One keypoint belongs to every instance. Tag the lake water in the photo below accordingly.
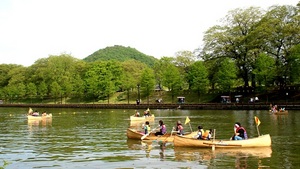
(93, 138)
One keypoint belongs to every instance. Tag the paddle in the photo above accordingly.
(144, 136)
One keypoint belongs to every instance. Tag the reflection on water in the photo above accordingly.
(147, 146)
(206, 153)
(280, 118)
(242, 158)
(42, 122)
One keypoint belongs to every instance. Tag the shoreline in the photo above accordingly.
(203, 106)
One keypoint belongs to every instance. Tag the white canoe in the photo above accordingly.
(142, 118)
(30, 117)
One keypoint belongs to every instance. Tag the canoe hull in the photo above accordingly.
(168, 137)
(261, 141)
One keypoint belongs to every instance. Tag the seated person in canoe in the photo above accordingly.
(35, 113)
(147, 112)
(239, 132)
(201, 135)
(137, 114)
(179, 128)
(162, 128)
(147, 127)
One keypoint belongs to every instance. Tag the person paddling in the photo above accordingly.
(162, 128)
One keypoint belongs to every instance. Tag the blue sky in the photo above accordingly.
(33, 29)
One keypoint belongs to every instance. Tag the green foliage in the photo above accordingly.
(264, 69)
(42, 90)
(147, 82)
(79, 87)
(184, 59)
(212, 67)
(280, 33)
(31, 90)
(160, 67)
(4, 76)
(17, 75)
(21, 92)
(197, 77)
(294, 65)
(226, 75)
(55, 90)
(121, 54)
(233, 40)
(132, 72)
(172, 79)
(103, 78)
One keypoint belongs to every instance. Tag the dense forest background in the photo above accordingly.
(251, 53)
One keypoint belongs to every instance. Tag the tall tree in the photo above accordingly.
(183, 60)
(293, 65)
(160, 68)
(212, 67)
(42, 90)
(5, 76)
(264, 69)
(31, 91)
(56, 68)
(55, 90)
(197, 76)
(281, 31)
(172, 79)
(147, 82)
(226, 75)
(79, 87)
(103, 78)
(132, 75)
(21, 92)
(233, 40)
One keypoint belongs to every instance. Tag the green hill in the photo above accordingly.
(120, 53)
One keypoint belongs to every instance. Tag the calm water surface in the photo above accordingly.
(93, 138)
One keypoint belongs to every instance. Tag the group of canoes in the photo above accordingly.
(189, 140)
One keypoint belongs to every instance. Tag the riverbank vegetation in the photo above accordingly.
(252, 53)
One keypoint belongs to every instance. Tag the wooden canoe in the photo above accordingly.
(261, 141)
(30, 117)
(142, 118)
(134, 134)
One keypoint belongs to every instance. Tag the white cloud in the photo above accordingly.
(33, 29)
